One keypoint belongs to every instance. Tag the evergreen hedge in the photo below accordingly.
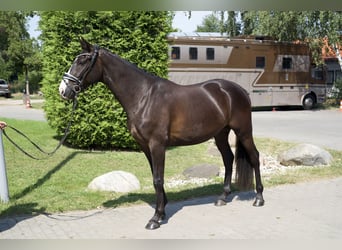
(139, 37)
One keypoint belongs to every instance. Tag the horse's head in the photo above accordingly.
(82, 73)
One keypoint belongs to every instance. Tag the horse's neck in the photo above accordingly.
(126, 82)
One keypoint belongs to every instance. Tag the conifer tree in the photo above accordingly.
(137, 36)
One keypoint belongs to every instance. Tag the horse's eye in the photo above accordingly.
(83, 59)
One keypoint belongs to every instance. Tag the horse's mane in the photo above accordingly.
(131, 65)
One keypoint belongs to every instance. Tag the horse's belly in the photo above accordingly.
(194, 134)
(182, 141)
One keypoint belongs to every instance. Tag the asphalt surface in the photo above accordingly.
(319, 127)
(16, 109)
(302, 211)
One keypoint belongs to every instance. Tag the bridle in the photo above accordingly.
(78, 86)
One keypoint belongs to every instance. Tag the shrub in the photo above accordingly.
(139, 37)
(337, 90)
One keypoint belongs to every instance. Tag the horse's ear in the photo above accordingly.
(85, 45)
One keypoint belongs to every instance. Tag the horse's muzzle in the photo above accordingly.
(68, 93)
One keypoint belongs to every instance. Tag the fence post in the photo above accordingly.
(3, 176)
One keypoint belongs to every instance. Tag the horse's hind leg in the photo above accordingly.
(227, 155)
(253, 158)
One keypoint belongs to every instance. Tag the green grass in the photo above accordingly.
(59, 183)
(274, 147)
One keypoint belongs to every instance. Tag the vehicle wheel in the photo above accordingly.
(8, 95)
(309, 102)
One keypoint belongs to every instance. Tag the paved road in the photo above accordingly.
(15, 109)
(301, 211)
(321, 127)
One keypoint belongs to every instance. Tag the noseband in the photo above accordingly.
(77, 87)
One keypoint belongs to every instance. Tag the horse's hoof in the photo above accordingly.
(152, 224)
(220, 202)
(259, 202)
(162, 217)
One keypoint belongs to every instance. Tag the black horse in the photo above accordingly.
(162, 113)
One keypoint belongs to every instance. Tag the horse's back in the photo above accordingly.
(239, 103)
(238, 95)
(199, 111)
(229, 86)
(230, 95)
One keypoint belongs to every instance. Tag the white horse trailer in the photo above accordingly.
(273, 73)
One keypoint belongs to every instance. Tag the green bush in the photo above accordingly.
(139, 37)
(334, 94)
(337, 90)
(35, 78)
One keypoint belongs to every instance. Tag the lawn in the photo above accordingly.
(59, 183)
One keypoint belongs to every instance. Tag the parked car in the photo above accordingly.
(4, 89)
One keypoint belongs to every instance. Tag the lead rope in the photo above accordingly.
(49, 154)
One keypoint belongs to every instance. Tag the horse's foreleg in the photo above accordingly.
(227, 155)
(157, 162)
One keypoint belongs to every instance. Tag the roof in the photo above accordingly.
(218, 37)
(198, 34)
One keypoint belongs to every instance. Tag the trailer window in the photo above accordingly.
(193, 53)
(317, 73)
(287, 62)
(260, 62)
(175, 53)
(210, 54)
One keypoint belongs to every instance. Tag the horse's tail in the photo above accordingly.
(244, 171)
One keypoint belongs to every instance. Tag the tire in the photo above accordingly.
(309, 102)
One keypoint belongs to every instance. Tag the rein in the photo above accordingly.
(48, 154)
(76, 88)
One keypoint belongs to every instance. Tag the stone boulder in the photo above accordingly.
(202, 171)
(305, 154)
(115, 181)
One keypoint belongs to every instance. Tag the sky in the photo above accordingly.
(33, 26)
(180, 21)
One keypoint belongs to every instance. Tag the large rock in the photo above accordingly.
(305, 154)
(202, 171)
(115, 181)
